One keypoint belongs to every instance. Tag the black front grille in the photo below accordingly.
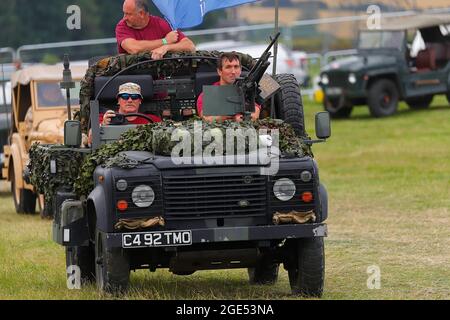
(214, 196)
(338, 79)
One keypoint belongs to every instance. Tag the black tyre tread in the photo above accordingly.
(114, 269)
(184, 273)
(307, 277)
(27, 199)
(341, 113)
(289, 103)
(375, 91)
(264, 273)
(84, 258)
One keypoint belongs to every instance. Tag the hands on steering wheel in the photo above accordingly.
(112, 118)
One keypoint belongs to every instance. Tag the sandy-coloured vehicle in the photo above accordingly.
(407, 59)
(39, 109)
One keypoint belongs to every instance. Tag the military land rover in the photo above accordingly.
(144, 211)
(388, 68)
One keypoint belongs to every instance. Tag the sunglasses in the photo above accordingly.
(126, 96)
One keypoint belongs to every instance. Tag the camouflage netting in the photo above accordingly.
(75, 169)
(157, 68)
(156, 138)
(67, 163)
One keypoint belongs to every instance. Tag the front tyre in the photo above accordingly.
(24, 199)
(335, 110)
(265, 272)
(112, 269)
(383, 98)
(307, 272)
(84, 258)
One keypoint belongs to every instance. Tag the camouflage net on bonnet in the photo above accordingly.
(75, 167)
(157, 68)
(157, 138)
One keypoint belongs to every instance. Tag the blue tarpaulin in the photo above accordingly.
(190, 13)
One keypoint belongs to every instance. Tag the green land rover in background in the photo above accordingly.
(389, 68)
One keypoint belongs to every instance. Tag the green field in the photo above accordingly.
(389, 196)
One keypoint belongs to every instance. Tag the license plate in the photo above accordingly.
(157, 239)
(333, 91)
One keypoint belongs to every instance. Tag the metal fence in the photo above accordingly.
(7, 58)
(7, 55)
(291, 35)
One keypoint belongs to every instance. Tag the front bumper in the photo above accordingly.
(344, 91)
(242, 234)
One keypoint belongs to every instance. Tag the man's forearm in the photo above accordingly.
(183, 45)
(133, 46)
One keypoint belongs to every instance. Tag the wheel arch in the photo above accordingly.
(91, 213)
(323, 194)
(97, 211)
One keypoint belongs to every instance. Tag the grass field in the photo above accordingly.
(389, 196)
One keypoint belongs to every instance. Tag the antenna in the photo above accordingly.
(3, 81)
(67, 83)
(275, 56)
(277, 30)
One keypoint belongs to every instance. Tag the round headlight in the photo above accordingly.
(284, 189)
(121, 185)
(325, 80)
(306, 176)
(352, 78)
(143, 196)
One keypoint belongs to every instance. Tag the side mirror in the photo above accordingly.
(72, 133)
(323, 125)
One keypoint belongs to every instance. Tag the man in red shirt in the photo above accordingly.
(228, 68)
(129, 99)
(139, 31)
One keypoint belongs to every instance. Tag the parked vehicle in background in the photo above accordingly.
(5, 115)
(301, 58)
(5, 105)
(293, 62)
(388, 68)
(39, 109)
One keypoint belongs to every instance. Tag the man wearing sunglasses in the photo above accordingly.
(129, 98)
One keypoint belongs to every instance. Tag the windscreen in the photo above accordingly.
(49, 94)
(381, 39)
(5, 93)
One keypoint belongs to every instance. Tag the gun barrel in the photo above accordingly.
(265, 55)
(249, 88)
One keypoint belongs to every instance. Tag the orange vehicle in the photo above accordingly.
(39, 109)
